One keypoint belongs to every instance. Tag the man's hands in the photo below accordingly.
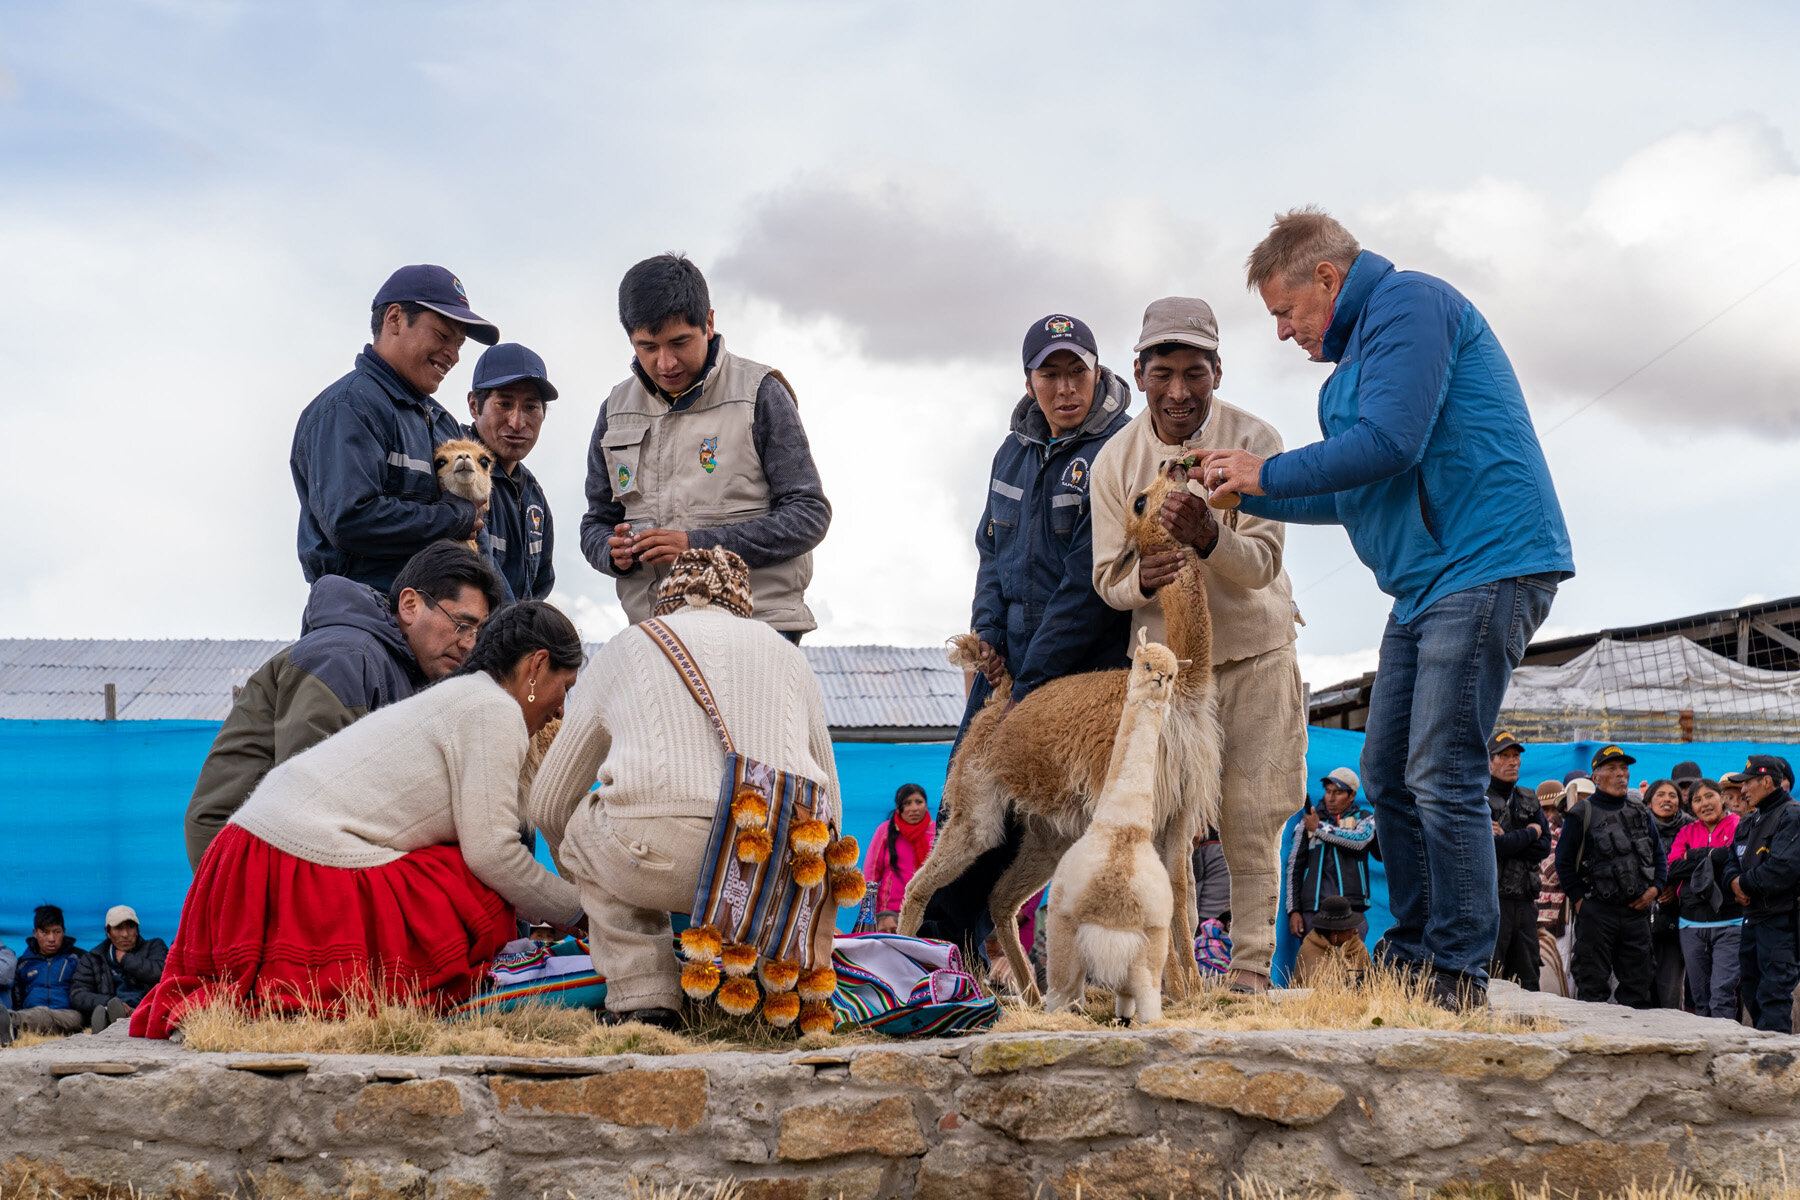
(651, 546)
(1311, 821)
(1497, 830)
(1537, 831)
(1189, 521)
(991, 665)
(1737, 889)
(1644, 901)
(1296, 925)
(1158, 570)
(1223, 472)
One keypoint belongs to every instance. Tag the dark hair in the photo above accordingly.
(46, 915)
(411, 308)
(660, 288)
(442, 569)
(521, 629)
(905, 792)
(1150, 352)
(1711, 785)
(480, 396)
(1655, 785)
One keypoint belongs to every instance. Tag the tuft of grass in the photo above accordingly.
(27, 1038)
(1382, 1000)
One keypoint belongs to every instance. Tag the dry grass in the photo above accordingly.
(26, 1038)
(1384, 1000)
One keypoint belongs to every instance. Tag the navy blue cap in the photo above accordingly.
(440, 291)
(1059, 332)
(510, 362)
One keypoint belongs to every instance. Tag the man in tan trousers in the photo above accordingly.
(1261, 709)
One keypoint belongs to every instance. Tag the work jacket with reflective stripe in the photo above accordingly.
(520, 537)
(361, 462)
(1034, 590)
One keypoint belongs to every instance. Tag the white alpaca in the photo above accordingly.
(1111, 902)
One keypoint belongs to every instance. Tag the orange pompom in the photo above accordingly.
(810, 837)
(848, 887)
(738, 959)
(700, 943)
(779, 976)
(754, 846)
(780, 1009)
(739, 997)
(808, 870)
(699, 979)
(817, 984)
(749, 808)
(816, 1016)
(843, 853)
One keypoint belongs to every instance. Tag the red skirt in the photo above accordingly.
(278, 933)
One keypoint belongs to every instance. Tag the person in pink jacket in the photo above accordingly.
(900, 844)
(1711, 918)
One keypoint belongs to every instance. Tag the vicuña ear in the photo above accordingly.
(1143, 637)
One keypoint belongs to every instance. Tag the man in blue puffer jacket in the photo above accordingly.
(40, 991)
(1036, 611)
(1431, 464)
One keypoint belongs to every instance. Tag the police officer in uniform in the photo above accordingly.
(1766, 882)
(1611, 865)
(1521, 842)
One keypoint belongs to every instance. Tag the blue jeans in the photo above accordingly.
(1436, 697)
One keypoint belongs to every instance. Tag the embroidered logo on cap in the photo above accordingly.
(709, 450)
(1060, 327)
(457, 284)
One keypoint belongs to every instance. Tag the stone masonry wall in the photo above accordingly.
(1614, 1096)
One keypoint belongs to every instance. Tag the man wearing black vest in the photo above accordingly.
(1521, 842)
(1611, 865)
(1767, 883)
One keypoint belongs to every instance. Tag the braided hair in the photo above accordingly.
(521, 629)
(893, 823)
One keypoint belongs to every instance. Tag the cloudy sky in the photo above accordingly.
(198, 200)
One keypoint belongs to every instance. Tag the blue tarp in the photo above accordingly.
(92, 810)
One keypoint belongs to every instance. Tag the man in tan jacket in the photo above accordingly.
(1261, 710)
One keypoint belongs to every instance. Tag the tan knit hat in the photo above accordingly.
(702, 577)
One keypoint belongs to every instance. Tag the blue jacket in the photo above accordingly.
(361, 462)
(44, 982)
(1331, 861)
(520, 535)
(1429, 460)
(1034, 590)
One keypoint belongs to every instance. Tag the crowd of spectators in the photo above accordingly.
(55, 987)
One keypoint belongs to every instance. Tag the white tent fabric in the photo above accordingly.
(1668, 675)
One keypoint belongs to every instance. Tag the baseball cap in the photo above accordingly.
(1610, 754)
(1689, 771)
(1582, 788)
(440, 291)
(1759, 765)
(118, 914)
(1059, 331)
(1503, 740)
(1183, 319)
(510, 362)
(1344, 777)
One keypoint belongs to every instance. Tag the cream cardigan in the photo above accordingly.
(439, 767)
(631, 724)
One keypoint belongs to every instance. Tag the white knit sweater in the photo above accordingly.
(631, 724)
(439, 767)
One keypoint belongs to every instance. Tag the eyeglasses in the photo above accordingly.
(465, 630)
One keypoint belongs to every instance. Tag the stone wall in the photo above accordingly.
(1613, 1096)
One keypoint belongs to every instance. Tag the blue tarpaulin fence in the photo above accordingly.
(91, 811)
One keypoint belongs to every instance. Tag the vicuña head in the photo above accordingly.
(1142, 528)
(1153, 671)
(462, 469)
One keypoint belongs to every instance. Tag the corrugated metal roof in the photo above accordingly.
(865, 687)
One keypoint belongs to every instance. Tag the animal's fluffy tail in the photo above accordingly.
(965, 652)
(1110, 954)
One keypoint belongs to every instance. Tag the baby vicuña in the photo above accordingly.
(463, 468)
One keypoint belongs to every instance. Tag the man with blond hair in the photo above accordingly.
(1261, 710)
(1431, 464)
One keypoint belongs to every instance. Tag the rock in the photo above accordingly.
(91, 1068)
(853, 1183)
(270, 1066)
(1299, 1164)
(1413, 1115)
(962, 1169)
(1600, 1103)
(1041, 1110)
(816, 1131)
(399, 1111)
(1285, 1097)
(925, 1072)
(1019, 1054)
(1473, 1056)
(1147, 1168)
(1758, 1083)
(1630, 1043)
(1585, 1168)
(669, 1099)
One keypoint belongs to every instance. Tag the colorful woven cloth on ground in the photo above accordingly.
(560, 974)
(1212, 948)
(907, 987)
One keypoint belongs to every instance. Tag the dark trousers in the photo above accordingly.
(1613, 941)
(1769, 956)
(1671, 971)
(1516, 955)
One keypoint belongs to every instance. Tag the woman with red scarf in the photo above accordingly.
(900, 844)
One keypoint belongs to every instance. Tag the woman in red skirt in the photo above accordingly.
(387, 859)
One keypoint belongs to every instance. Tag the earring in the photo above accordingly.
(532, 699)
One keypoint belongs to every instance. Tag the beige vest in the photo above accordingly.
(697, 469)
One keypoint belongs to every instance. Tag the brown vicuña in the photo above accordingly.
(1045, 762)
(464, 469)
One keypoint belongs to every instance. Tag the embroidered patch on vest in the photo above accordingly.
(709, 452)
(1075, 474)
(624, 477)
(535, 514)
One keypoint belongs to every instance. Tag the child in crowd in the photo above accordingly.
(900, 844)
(1700, 863)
